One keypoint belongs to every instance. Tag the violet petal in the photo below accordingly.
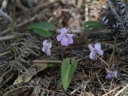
(49, 45)
(92, 55)
(44, 49)
(64, 41)
(91, 47)
(70, 38)
(63, 31)
(97, 46)
(59, 37)
(100, 52)
(45, 42)
(48, 52)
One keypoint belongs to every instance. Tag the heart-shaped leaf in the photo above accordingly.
(42, 28)
(67, 71)
(92, 24)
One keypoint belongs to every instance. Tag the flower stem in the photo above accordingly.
(114, 49)
(70, 54)
(13, 21)
(103, 61)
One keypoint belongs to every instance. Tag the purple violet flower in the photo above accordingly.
(95, 50)
(111, 74)
(64, 37)
(46, 47)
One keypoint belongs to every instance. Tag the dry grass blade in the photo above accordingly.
(106, 94)
(18, 90)
(6, 15)
(24, 48)
(124, 90)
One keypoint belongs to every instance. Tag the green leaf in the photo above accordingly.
(13, 49)
(67, 71)
(92, 24)
(85, 38)
(42, 28)
(41, 32)
(51, 65)
(17, 36)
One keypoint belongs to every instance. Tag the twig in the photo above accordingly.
(74, 31)
(113, 52)
(2, 65)
(106, 94)
(82, 31)
(119, 92)
(20, 5)
(75, 90)
(103, 61)
(26, 21)
(6, 80)
(35, 9)
(7, 38)
(100, 83)
(21, 53)
(86, 12)
(6, 16)
(1, 54)
(79, 4)
(11, 37)
(17, 89)
(111, 85)
(47, 61)
(48, 90)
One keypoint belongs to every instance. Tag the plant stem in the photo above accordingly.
(70, 54)
(114, 48)
(13, 21)
(103, 61)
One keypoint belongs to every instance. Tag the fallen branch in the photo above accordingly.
(47, 61)
(96, 31)
(4, 53)
(5, 38)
